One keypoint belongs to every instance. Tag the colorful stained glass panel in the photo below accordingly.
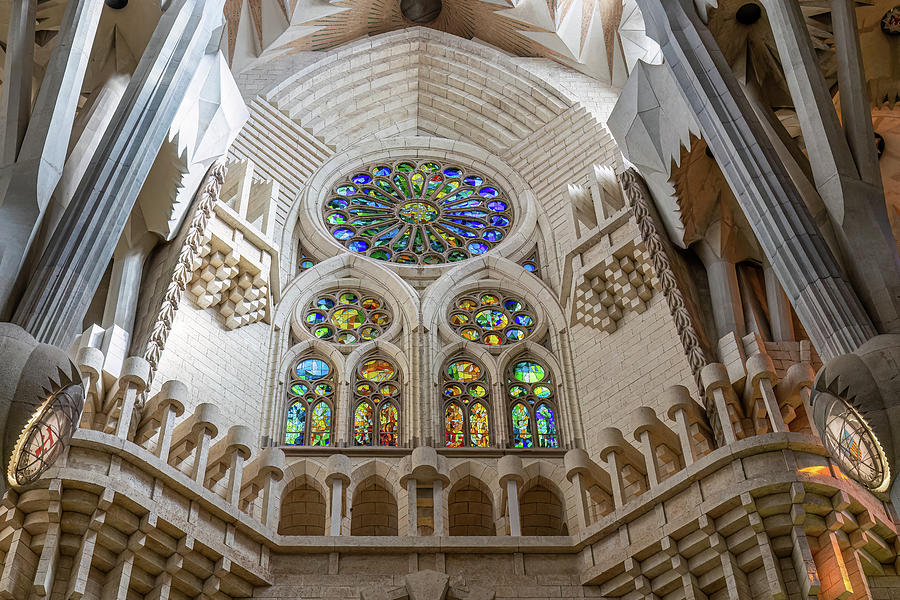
(464, 370)
(363, 423)
(388, 426)
(521, 427)
(295, 425)
(478, 426)
(546, 427)
(312, 369)
(528, 371)
(378, 370)
(320, 421)
(453, 426)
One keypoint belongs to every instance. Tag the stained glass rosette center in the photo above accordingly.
(347, 317)
(491, 318)
(417, 212)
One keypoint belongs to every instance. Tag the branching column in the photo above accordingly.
(828, 307)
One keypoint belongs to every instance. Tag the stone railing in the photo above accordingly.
(747, 501)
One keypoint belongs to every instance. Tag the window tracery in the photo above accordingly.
(347, 317)
(531, 394)
(377, 395)
(310, 403)
(417, 212)
(466, 396)
(491, 318)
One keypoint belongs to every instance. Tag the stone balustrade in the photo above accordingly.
(653, 507)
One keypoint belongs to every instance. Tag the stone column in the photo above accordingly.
(714, 378)
(35, 149)
(678, 401)
(780, 322)
(338, 478)
(438, 508)
(412, 507)
(760, 378)
(716, 253)
(80, 248)
(135, 374)
(842, 153)
(511, 476)
(828, 307)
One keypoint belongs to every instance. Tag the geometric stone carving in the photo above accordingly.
(237, 286)
(622, 282)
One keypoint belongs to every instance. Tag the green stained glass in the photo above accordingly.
(383, 216)
(320, 425)
(521, 427)
(298, 389)
(324, 389)
(295, 425)
(464, 370)
(518, 391)
(527, 371)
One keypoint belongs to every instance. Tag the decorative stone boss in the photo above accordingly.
(41, 398)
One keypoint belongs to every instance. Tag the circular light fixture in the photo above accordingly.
(852, 443)
(117, 4)
(420, 11)
(46, 435)
(748, 14)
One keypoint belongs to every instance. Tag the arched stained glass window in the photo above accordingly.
(417, 212)
(465, 390)
(347, 317)
(531, 394)
(491, 318)
(310, 398)
(377, 395)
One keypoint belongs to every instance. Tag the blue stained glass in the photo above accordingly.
(459, 230)
(460, 218)
(529, 267)
(325, 303)
(312, 369)
(527, 371)
(295, 424)
(314, 318)
(523, 320)
(546, 427)
(521, 427)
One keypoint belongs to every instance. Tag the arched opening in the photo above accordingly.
(542, 511)
(374, 510)
(470, 508)
(302, 511)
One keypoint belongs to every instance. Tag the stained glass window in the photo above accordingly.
(304, 262)
(310, 393)
(852, 444)
(347, 317)
(465, 390)
(491, 318)
(531, 393)
(417, 212)
(530, 262)
(376, 391)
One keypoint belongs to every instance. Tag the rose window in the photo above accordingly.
(417, 212)
(491, 318)
(347, 317)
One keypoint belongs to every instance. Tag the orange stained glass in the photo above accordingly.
(388, 425)
(453, 426)
(378, 370)
(478, 426)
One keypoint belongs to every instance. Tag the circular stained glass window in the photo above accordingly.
(417, 212)
(491, 318)
(347, 317)
(853, 445)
